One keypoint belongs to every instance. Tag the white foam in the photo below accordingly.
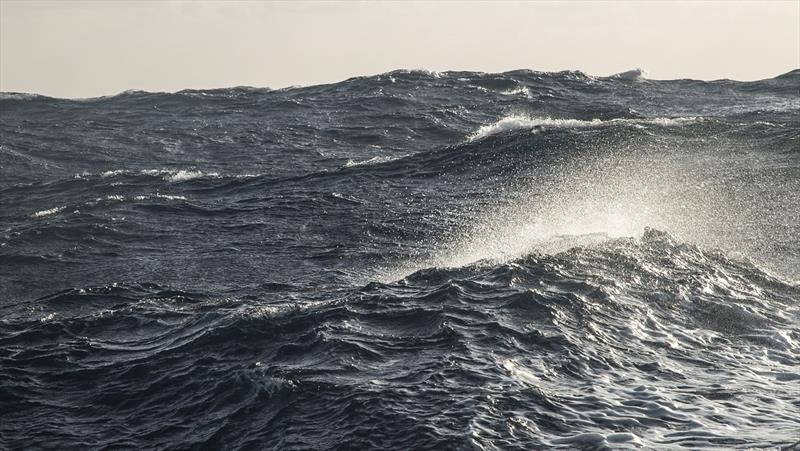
(112, 173)
(48, 318)
(160, 196)
(522, 90)
(52, 211)
(479, 88)
(183, 175)
(168, 175)
(516, 122)
(665, 121)
(371, 161)
(154, 172)
(118, 198)
(535, 124)
(432, 73)
(116, 172)
(632, 75)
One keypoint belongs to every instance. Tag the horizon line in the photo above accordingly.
(640, 74)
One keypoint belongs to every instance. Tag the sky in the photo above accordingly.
(92, 48)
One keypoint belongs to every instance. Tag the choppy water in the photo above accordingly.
(412, 260)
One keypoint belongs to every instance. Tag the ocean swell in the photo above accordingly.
(412, 260)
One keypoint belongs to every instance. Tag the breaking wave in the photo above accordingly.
(517, 122)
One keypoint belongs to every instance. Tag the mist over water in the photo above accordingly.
(410, 260)
(702, 190)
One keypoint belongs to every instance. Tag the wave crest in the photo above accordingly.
(517, 122)
(631, 75)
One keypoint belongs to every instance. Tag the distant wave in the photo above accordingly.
(20, 96)
(393, 76)
(631, 75)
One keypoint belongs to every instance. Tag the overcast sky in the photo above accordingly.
(82, 49)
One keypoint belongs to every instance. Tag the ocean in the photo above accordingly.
(411, 260)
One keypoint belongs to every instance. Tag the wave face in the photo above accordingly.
(411, 260)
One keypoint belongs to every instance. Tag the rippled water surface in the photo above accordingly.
(411, 260)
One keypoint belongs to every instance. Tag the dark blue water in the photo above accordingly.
(411, 260)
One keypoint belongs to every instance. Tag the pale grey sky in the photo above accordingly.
(90, 48)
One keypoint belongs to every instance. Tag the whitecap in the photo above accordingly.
(160, 196)
(631, 75)
(48, 318)
(515, 122)
(112, 173)
(665, 121)
(522, 90)
(155, 172)
(183, 175)
(535, 124)
(167, 174)
(370, 162)
(52, 211)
